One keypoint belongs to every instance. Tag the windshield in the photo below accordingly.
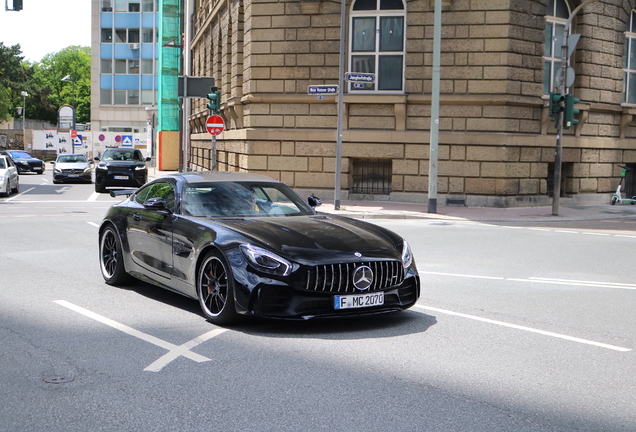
(242, 199)
(122, 155)
(20, 154)
(72, 158)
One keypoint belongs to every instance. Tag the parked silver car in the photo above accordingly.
(9, 179)
(72, 167)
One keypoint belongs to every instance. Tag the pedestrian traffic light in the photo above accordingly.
(570, 111)
(214, 104)
(555, 105)
(17, 5)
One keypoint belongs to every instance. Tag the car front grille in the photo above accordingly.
(120, 170)
(338, 278)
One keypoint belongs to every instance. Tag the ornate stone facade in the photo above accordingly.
(496, 140)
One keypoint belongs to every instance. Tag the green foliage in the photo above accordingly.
(43, 82)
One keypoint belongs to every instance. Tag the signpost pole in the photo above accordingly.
(213, 154)
(341, 71)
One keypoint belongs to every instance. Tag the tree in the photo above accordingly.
(13, 74)
(76, 62)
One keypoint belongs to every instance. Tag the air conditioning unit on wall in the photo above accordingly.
(133, 46)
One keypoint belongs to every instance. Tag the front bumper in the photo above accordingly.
(133, 178)
(283, 302)
(62, 177)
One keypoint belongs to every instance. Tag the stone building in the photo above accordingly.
(499, 60)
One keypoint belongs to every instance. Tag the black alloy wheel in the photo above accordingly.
(99, 188)
(214, 289)
(111, 259)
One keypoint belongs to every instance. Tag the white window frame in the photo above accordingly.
(555, 59)
(629, 76)
(377, 14)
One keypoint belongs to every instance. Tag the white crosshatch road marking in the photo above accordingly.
(174, 351)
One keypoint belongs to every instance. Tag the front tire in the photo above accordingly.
(215, 290)
(99, 188)
(16, 189)
(614, 199)
(111, 258)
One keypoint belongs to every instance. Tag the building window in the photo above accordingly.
(371, 176)
(120, 66)
(121, 5)
(133, 7)
(107, 6)
(557, 14)
(133, 97)
(120, 97)
(148, 5)
(377, 44)
(105, 97)
(133, 66)
(106, 66)
(147, 67)
(107, 35)
(133, 35)
(147, 35)
(629, 92)
(148, 97)
(121, 35)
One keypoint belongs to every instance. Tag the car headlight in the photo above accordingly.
(87, 169)
(140, 167)
(266, 261)
(407, 255)
(57, 170)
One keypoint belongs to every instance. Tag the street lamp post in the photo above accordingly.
(24, 95)
(71, 78)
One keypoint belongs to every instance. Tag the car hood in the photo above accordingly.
(19, 159)
(305, 239)
(71, 165)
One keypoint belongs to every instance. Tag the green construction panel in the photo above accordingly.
(169, 64)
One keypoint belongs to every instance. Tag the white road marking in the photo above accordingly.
(528, 329)
(94, 224)
(567, 231)
(596, 234)
(18, 195)
(93, 197)
(174, 350)
(574, 282)
(462, 275)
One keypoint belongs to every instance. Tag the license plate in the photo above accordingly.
(121, 177)
(73, 175)
(358, 300)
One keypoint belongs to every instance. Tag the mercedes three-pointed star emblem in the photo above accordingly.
(362, 278)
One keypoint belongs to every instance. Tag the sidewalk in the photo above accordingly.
(395, 210)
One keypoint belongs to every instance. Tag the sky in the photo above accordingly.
(46, 26)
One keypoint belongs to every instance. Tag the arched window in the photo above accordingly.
(629, 92)
(556, 16)
(377, 44)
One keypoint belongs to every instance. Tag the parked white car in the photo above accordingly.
(9, 179)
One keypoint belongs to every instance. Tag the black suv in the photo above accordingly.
(120, 167)
(24, 161)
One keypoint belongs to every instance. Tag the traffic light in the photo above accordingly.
(570, 111)
(214, 97)
(17, 5)
(555, 105)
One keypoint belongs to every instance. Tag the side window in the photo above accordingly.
(557, 14)
(377, 44)
(158, 190)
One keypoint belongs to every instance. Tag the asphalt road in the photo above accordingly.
(519, 328)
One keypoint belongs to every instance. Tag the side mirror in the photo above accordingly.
(314, 201)
(148, 159)
(52, 162)
(96, 158)
(158, 204)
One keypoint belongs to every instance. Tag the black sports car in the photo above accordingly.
(244, 244)
(25, 161)
(120, 167)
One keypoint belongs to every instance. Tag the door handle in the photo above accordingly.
(137, 217)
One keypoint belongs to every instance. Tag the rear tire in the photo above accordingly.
(215, 290)
(111, 258)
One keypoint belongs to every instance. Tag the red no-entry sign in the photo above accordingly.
(215, 124)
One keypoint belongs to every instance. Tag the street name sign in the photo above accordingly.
(323, 90)
(215, 124)
(360, 77)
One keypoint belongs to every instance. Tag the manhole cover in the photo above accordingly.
(58, 379)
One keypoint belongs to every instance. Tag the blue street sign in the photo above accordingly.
(323, 90)
(360, 77)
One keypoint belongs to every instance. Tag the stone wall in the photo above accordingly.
(495, 140)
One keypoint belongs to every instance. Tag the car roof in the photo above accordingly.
(220, 176)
